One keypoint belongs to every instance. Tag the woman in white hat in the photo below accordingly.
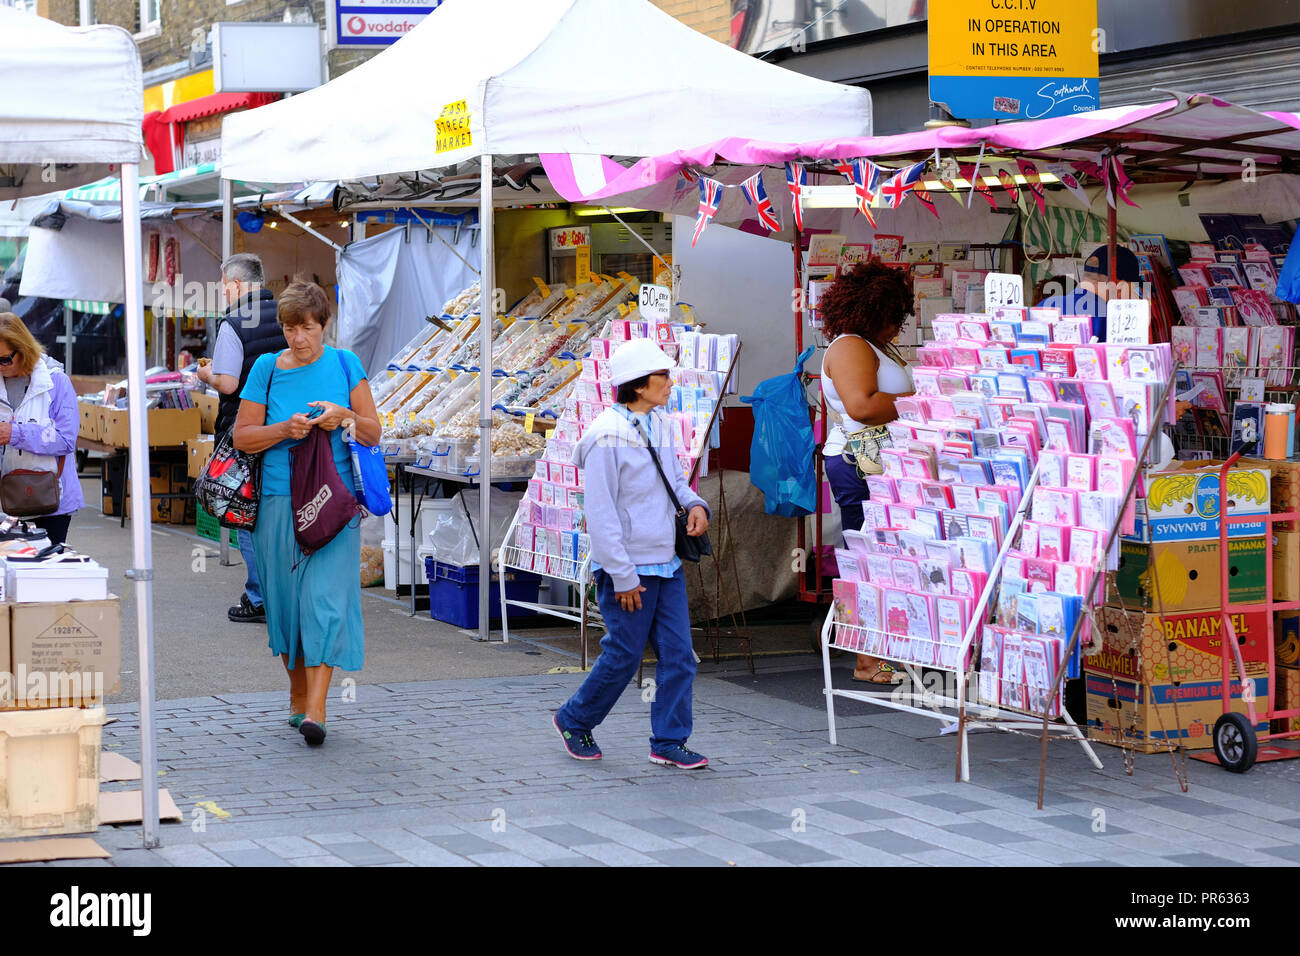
(639, 581)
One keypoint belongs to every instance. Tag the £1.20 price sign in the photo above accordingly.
(655, 302)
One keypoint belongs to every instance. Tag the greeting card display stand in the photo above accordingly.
(581, 607)
(978, 698)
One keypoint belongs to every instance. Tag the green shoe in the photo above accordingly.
(295, 720)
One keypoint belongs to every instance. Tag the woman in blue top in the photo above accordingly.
(313, 604)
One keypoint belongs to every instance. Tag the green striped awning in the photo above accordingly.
(1062, 232)
(110, 189)
(84, 305)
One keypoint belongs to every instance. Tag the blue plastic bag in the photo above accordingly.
(369, 470)
(781, 455)
(1288, 281)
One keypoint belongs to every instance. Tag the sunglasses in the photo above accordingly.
(7, 360)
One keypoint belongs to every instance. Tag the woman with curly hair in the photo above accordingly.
(862, 373)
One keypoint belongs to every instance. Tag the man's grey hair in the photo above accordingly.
(244, 267)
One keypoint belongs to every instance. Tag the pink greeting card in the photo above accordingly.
(1081, 472)
(1053, 542)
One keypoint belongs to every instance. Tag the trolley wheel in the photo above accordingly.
(1234, 743)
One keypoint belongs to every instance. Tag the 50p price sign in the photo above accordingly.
(655, 302)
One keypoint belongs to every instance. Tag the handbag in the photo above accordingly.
(862, 449)
(369, 471)
(230, 487)
(28, 493)
(688, 547)
(322, 504)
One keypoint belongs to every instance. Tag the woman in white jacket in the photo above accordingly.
(640, 585)
(40, 420)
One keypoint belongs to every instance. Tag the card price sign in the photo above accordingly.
(1014, 59)
(1128, 322)
(654, 302)
(1003, 289)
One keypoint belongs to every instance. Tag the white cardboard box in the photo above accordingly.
(29, 582)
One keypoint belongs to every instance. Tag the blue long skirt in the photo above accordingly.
(313, 611)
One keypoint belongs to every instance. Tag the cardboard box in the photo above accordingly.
(113, 477)
(197, 452)
(1287, 698)
(89, 426)
(207, 406)
(1286, 566)
(1188, 574)
(1183, 502)
(1176, 647)
(1284, 488)
(66, 653)
(1143, 717)
(168, 427)
(49, 771)
(7, 697)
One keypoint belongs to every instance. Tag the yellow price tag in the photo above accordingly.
(557, 363)
(543, 287)
(570, 293)
(626, 278)
(528, 422)
(582, 260)
(624, 309)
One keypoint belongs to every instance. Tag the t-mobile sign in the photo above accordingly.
(355, 23)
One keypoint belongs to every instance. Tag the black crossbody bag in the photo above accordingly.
(688, 547)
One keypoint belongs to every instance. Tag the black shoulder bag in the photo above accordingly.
(688, 547)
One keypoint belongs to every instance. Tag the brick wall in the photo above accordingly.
(710, 17)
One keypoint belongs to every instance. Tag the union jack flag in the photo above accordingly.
(978, 184)
(900, 184)
(710, 200)
(756, 193)
(866, 177)
(1033, 180)
(796, 177)
(845, 168)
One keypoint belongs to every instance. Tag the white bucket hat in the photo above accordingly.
(636, 358)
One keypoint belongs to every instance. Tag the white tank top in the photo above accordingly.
(890, 377)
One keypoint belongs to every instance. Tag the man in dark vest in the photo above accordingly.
(248, 329)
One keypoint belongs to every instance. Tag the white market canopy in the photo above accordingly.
(72, 108)
(612, 77)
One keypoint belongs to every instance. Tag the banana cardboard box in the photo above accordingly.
(1288, 698)
(1286, 638)
(1186, 574)
(1183, 503)
(1284, 482)
(1151, 718)
(1175, 648)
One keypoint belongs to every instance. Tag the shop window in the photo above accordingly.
(148, 18)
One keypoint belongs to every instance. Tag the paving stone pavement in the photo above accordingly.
(470, 772)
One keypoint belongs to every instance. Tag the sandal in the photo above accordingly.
(312, 732)
(884, 673)
(295, 720)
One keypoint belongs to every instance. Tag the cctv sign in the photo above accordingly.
(360, 23)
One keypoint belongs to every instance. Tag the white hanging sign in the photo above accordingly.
(1128, 322)
(654, 302)
(1003, 289)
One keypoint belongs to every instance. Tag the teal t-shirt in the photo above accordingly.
(291, 389)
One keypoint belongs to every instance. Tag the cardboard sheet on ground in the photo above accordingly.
(1273, 750)
(35, 851)
(125, 807)
(114, 767)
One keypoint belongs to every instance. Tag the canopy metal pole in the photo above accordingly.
(487, 313)
(227, 250)
(142, 520)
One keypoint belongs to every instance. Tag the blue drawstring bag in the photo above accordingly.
(368, 468)
(781, 455)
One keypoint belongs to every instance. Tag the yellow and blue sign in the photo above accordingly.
(1014, 59)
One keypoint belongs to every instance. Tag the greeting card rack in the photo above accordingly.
(979, 698)
(952, 659)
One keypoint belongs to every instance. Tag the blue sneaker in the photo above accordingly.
(579, 743)
(675, 755)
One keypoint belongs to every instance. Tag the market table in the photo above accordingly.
(416, 469)
(116, 452)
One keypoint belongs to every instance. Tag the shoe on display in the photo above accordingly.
(245, 612)
(579, 743)
(678, 756)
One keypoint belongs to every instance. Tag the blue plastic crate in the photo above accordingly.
(453, 593)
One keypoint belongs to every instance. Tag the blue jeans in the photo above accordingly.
(251, 587)
(665, 621)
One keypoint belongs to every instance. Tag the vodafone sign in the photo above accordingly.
(370, 23)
